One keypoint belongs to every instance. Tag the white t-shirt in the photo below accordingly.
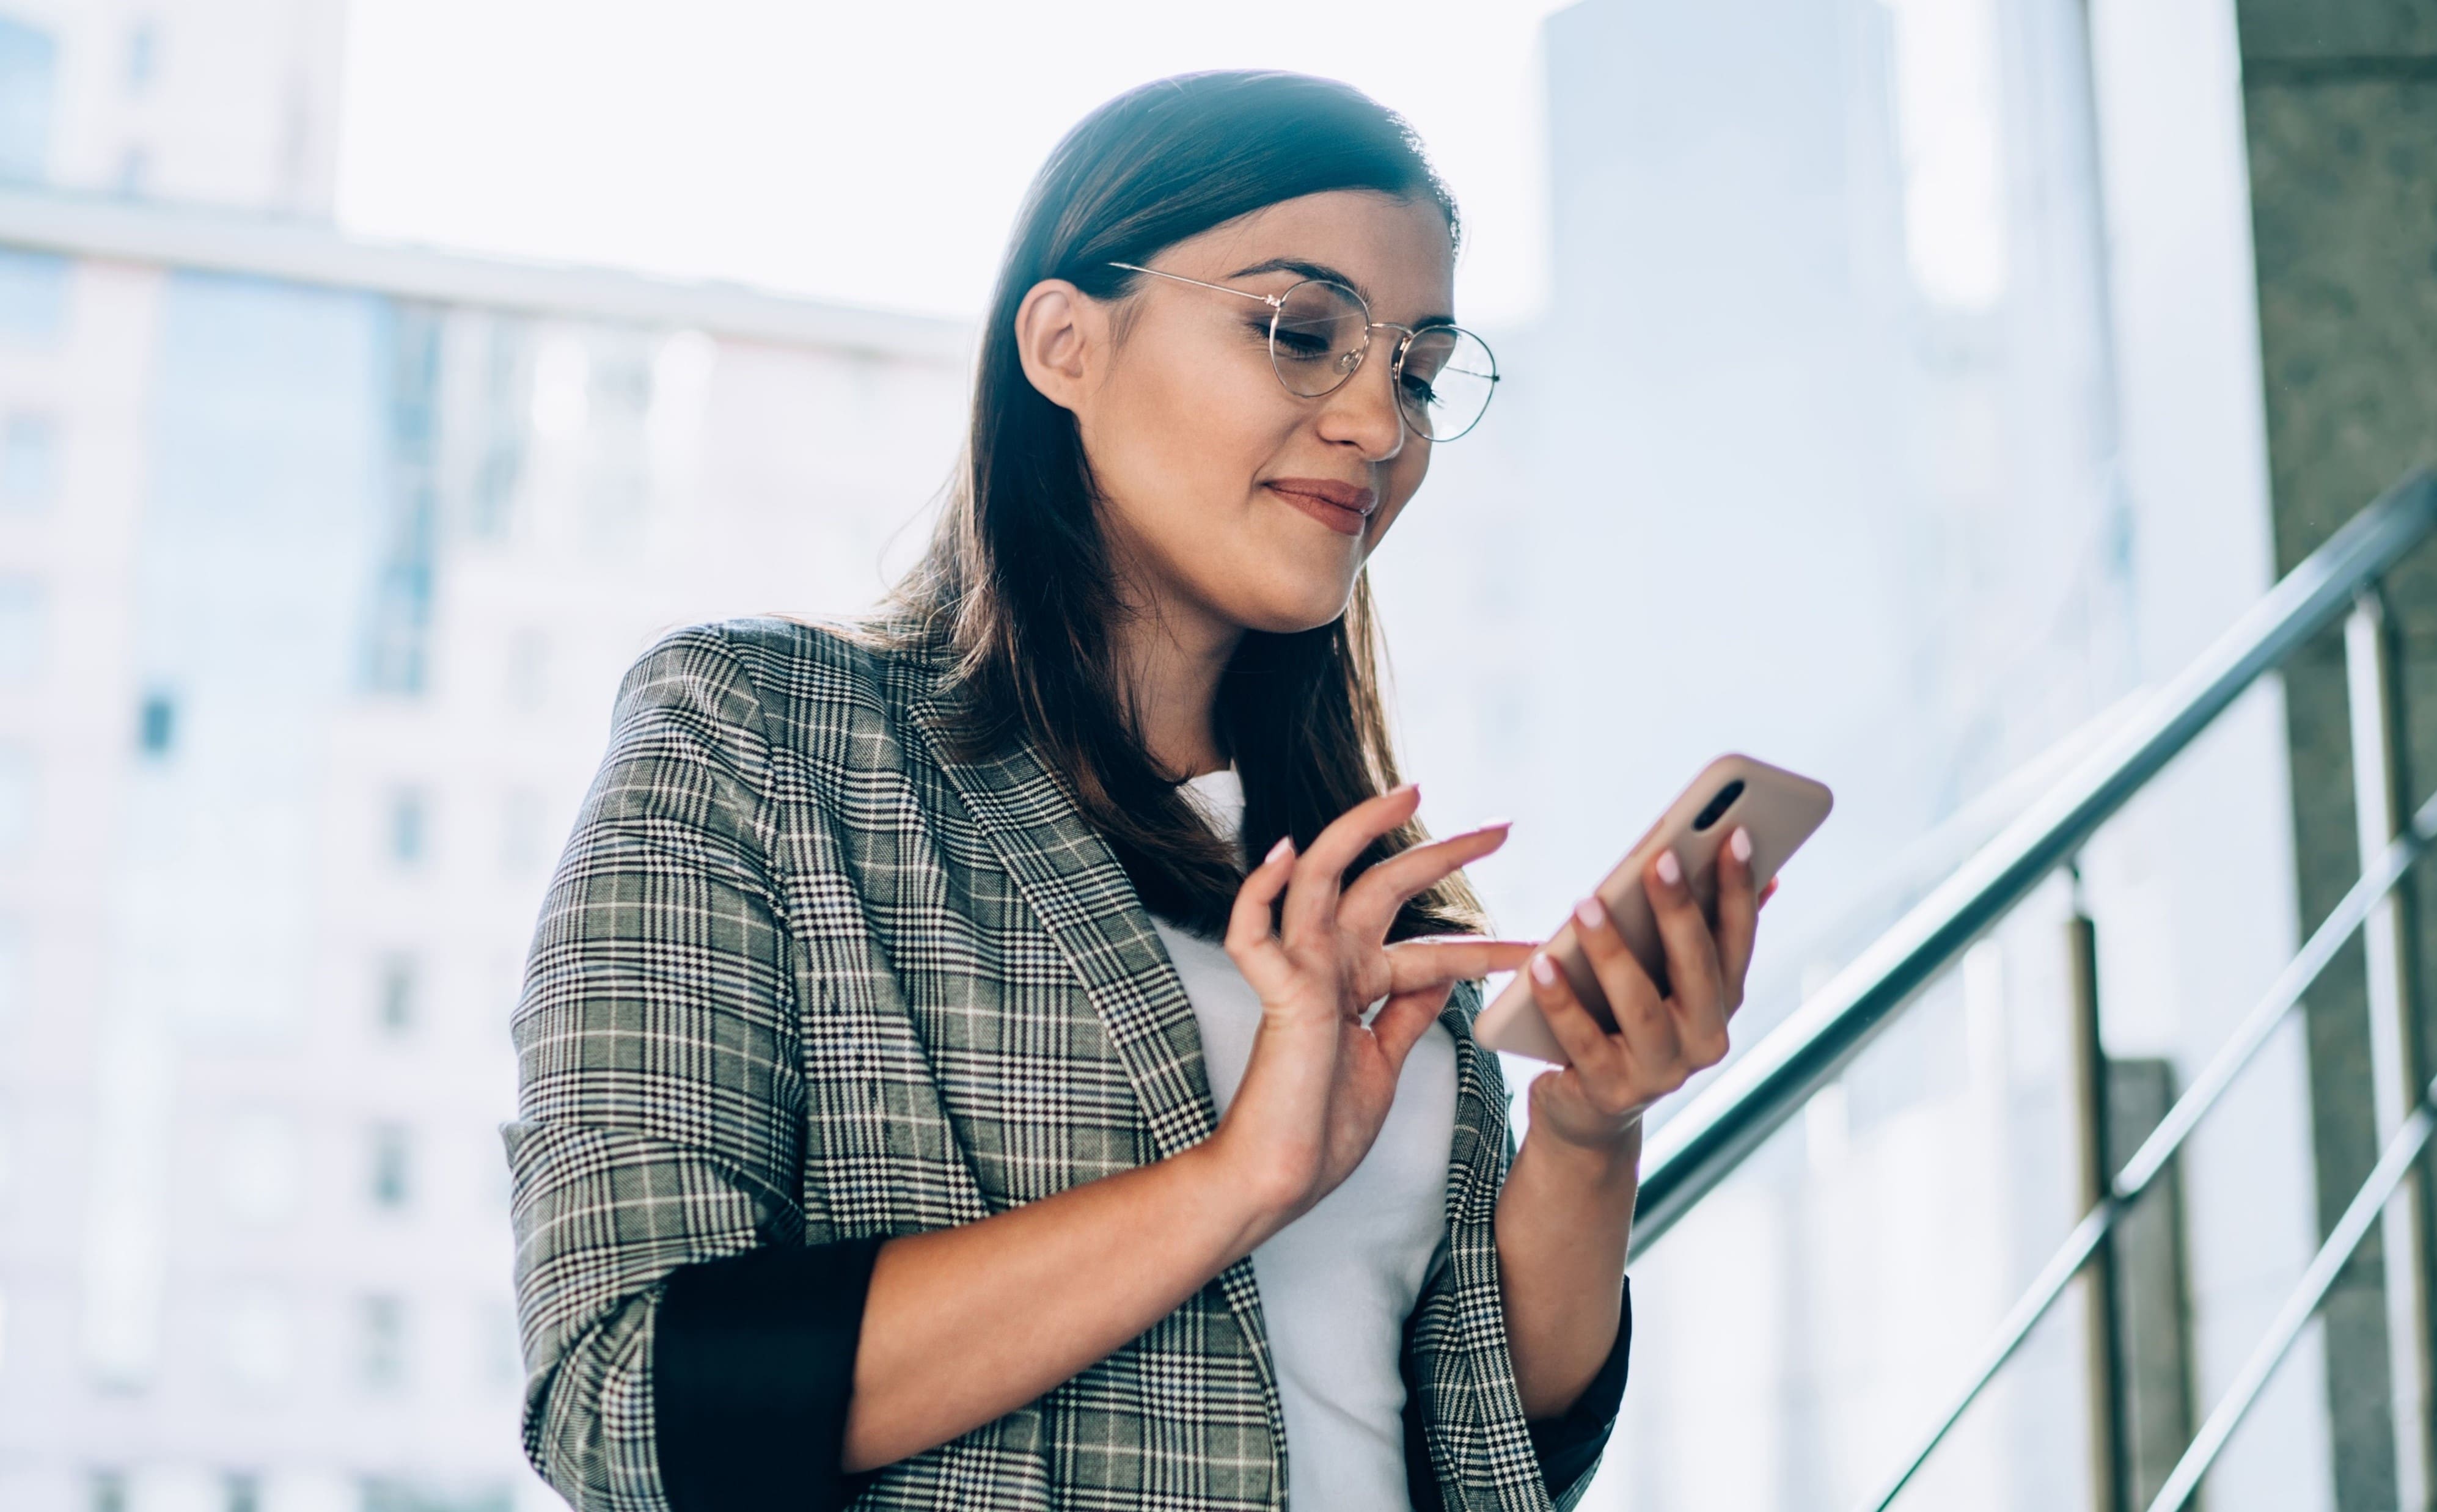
(1337, 1283)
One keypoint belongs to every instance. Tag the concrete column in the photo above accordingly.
(2341, 100)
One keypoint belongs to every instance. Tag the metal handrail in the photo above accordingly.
(2375, 1191)
(1755, 1095)
(2147, 1163)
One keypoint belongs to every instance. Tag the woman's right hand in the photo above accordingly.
(1319, 1079)
(965, 1324)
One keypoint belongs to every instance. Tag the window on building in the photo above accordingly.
(495, 490)
(394, 995)
(143, 56)
(380, 1343)
(408, 825)
(156, 725)
(33, 287)
(391, 1173)
(24, 621)
(106, 1491)
(28, 62)
(244, 1492)
(28, 453)
(398, 630)
(504, 418)
(134, 171)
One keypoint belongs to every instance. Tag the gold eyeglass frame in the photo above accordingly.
(1351, 362)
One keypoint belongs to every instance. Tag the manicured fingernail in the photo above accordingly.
(1413, 788)
(1286, 843)
(1740, 842)
(1671, 871)
(1496, 824)
(1590, 914)
(1544, 971)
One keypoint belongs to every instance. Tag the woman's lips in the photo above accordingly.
(1341, 507)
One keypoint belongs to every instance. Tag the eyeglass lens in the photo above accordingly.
(1323, 329)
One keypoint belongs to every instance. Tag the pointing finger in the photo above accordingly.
(1371, 903)
(1311, 897)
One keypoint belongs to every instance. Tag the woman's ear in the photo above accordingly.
(1059, 336)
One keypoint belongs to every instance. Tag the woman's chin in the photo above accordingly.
(1292, 614)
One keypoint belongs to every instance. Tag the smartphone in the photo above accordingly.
(1781, 808)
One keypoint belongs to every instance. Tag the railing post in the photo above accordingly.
(2110, 1486)
(2398, 1060)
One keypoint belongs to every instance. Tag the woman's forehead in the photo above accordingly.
(1397, 252)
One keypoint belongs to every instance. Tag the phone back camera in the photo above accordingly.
(1718, 806)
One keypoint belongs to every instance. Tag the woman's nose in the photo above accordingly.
(1362, 412)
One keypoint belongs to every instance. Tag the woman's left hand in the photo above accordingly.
(1659, 1041)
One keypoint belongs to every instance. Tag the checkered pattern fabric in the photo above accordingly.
(802, 977)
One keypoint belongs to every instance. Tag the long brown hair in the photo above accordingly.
(1017, 588)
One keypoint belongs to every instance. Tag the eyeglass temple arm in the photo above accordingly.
(1273, 301)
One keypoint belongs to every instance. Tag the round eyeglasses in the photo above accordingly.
(1320, 331)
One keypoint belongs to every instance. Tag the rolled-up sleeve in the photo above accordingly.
(1567, 1446)
(686, 1349)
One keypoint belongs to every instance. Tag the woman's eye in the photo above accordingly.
(1418, 389)
(1303, 346)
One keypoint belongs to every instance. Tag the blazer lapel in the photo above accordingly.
(1087, 903)
(1083, 897)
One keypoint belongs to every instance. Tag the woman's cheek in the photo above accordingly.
(1400, 488)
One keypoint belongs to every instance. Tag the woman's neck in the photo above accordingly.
(1169, 661)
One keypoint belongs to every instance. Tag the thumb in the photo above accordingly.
(1401, 1022)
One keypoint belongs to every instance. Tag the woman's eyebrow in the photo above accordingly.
(1297, 265)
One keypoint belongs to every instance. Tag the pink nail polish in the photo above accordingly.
(1671, 871)
(1286, 842)
(1740, 842)
(1544, 971)
(1589, 914)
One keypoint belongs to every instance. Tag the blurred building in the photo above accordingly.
(318, 566)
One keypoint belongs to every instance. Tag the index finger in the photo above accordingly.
(1311, 897)
(1370, 904)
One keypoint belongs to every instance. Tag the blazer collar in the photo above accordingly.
(1085, 900)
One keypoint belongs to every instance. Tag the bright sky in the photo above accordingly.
(873, 153)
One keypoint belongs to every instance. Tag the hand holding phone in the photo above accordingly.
(1779, 809)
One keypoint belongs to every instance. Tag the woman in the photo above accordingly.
(925, 1104)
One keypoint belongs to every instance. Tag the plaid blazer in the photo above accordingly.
(802, 979)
